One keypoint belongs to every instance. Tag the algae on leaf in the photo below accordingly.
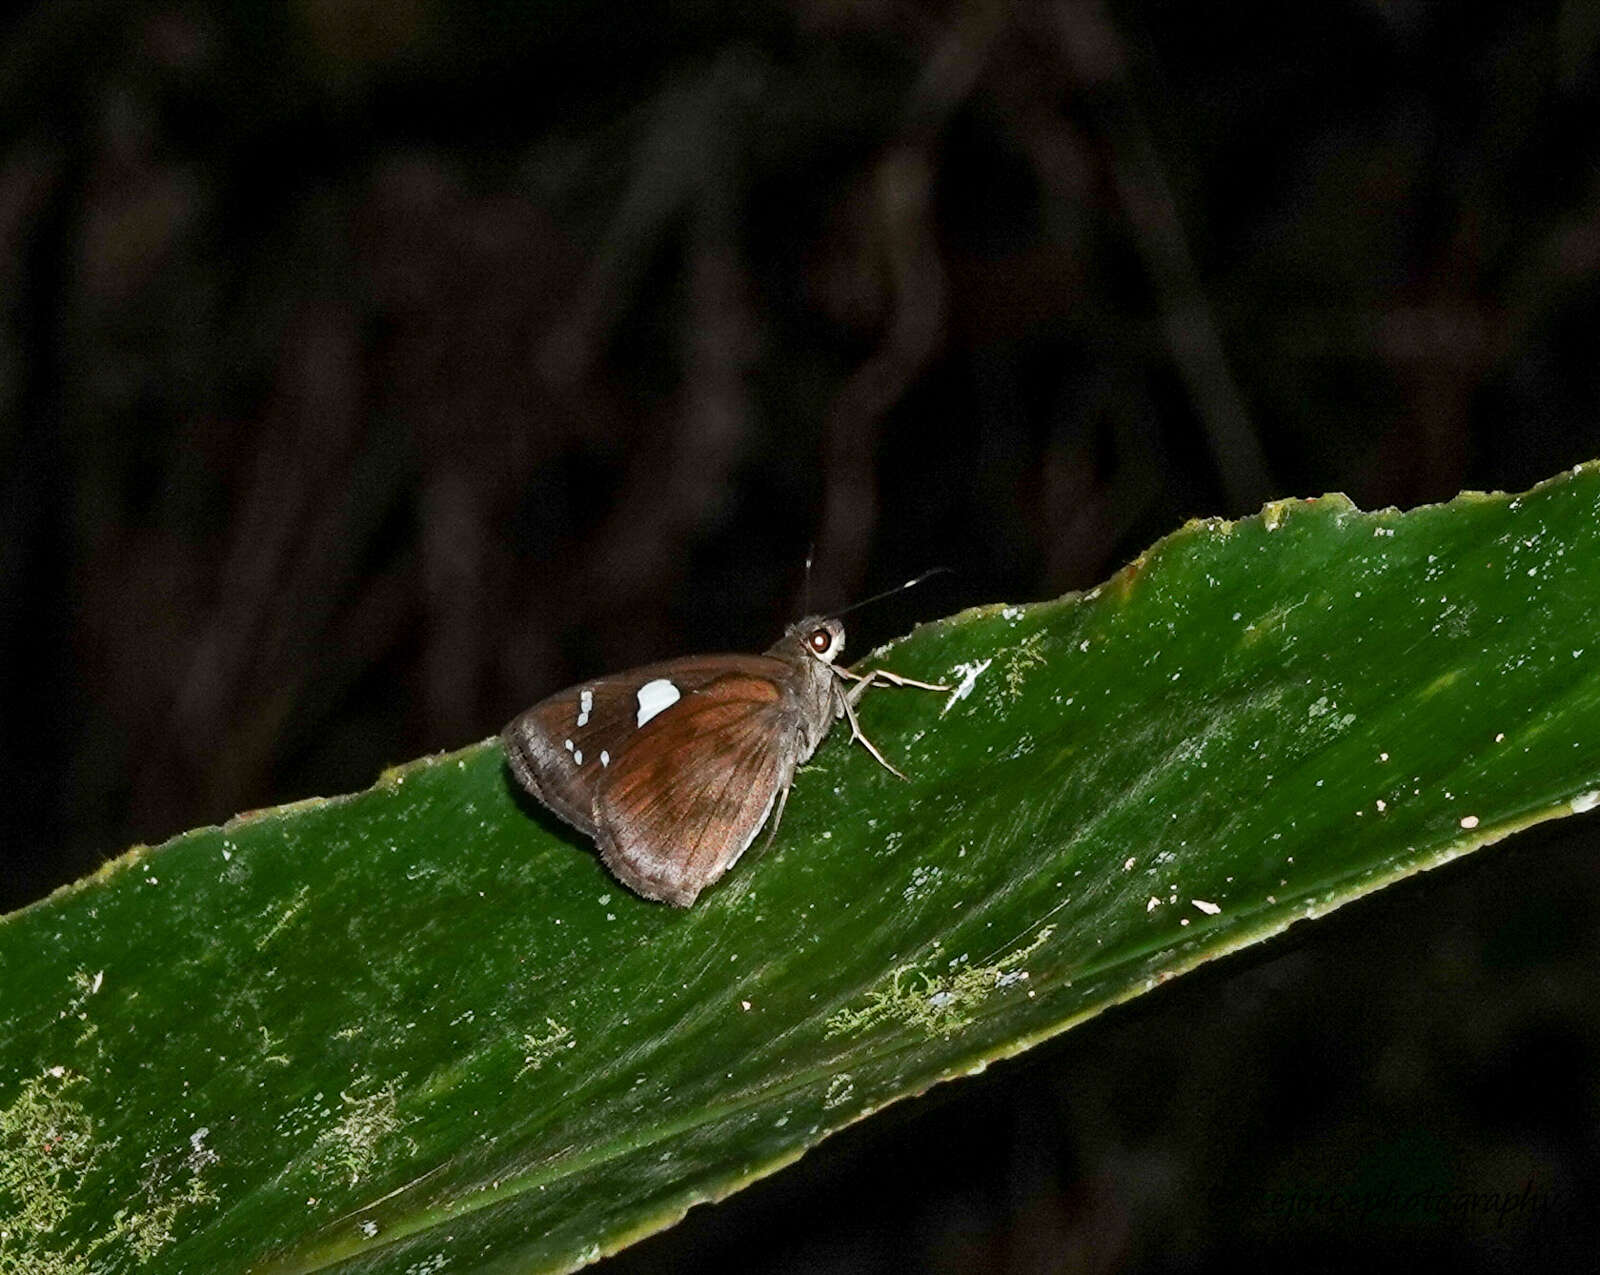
(419, 1028)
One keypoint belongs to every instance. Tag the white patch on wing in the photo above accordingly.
(656, 697)
(577, 757)
(605, 757)
(585, 706)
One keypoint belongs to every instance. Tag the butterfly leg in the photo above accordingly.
(847, 702)
(777, 816)
(864, 680)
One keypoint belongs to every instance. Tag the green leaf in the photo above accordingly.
(419, 1028)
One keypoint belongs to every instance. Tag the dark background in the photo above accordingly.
(370, 368)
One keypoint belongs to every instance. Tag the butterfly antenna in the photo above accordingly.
(899, 588)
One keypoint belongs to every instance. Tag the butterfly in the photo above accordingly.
(674, 768)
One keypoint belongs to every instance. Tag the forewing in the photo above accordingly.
(694, 785)
(564, 746)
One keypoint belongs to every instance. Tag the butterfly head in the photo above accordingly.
(822, 638)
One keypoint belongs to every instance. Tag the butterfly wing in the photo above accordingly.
(693, 787)
(671, 768)
(559, 749)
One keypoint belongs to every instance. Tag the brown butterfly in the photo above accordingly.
(673, 768)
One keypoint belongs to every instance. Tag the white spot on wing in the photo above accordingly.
(656, 697)
(577, 757)
(605, 757)
(585, 706)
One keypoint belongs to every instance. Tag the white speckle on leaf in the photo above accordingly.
(1585, 801)
(969, 679)
(1469, 821)
(1206, 906)
(200, 1155)
(923, 878)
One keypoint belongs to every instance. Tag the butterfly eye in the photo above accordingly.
(821, 640)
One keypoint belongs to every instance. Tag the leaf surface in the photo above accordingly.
(419, 1029)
